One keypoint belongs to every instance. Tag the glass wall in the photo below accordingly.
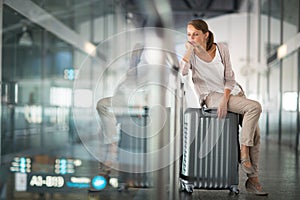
(289, 98)
(264, 100)
(262, 74)
(58, 59)
(273, 103)
(290, 19)
(275, 26)
(279, 23)
(80, 15)
(290, 75)
(39, 68)
(33, 81)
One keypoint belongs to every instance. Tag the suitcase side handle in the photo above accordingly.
(209, 112)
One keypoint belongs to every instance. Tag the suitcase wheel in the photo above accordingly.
(123, 187)
(187, 187)
(234, 188)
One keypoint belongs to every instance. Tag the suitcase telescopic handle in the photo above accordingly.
(209, 112)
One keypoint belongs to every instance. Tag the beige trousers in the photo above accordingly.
(108, 120)
(250, 110)
(109, 134)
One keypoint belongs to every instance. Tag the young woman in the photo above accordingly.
(215, 84)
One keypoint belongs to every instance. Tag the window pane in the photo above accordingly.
(273, 104)
(289, 98)
(290, 19)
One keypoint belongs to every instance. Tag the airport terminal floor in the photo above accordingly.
(279, 175)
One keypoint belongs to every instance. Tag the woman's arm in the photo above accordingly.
(222, 109)
(185, 63)
(229, 80)
(229, 76)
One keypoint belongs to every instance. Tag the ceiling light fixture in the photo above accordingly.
(26, 37)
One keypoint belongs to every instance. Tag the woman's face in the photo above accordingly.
(196, 36)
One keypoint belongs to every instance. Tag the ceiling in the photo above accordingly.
(182, 10)
(142, 12)
(205, 8)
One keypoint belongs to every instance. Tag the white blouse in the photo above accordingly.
(211, 74)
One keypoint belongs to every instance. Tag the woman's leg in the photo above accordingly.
(254, 152)
(109, 133)
(250, 137)
(107, 118)
(250, 110)
(253, 180)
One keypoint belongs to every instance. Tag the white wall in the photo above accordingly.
(232, 29)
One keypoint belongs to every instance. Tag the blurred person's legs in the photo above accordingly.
(109, 131)
(250, 137)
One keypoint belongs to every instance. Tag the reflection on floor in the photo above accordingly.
(279, 175)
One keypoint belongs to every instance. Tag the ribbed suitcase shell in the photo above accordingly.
(210, 151)
(133, 139)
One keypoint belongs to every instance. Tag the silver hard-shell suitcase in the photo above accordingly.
(132, 123)
(210, 151)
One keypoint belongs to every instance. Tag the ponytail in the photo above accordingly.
(210, 40)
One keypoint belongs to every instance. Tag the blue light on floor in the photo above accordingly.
(99, 182)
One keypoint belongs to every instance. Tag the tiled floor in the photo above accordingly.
(279, 175)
